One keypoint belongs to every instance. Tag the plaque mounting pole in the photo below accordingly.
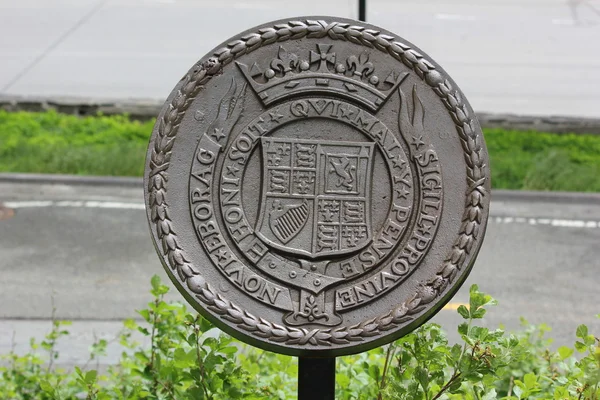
(316, 378)
(362, 10)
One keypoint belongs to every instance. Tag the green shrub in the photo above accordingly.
(186, 359)
(50, 142)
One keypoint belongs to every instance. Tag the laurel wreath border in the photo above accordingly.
(168, 125)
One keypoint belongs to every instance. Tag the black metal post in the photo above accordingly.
(316, 378)
(362, 10)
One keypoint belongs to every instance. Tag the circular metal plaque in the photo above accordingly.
(317, 186)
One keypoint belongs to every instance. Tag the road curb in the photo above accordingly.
(145, 109)
(136, 182)
(545, 197)
(75, 180)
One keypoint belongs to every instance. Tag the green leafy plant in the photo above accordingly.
(428, 367)
(187, 358)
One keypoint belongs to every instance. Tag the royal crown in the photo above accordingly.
(288, 75)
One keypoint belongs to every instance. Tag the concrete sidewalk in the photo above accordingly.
(527, 57)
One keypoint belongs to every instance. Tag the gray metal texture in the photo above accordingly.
(317, 186)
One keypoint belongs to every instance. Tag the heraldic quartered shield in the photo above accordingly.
(316, 196)
(317, 186)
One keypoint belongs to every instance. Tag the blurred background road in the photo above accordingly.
(89, 248)
(538, 57)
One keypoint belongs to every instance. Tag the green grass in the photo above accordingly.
(50, 142)
(64, 144)
(544, 161)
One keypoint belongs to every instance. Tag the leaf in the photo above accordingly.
(561, 393)
(46, 387)
(589, 340)
(530, 381)
(184, 359)
(229, 350)
(463, 329)
(491, 395)
(479, 333)
(195, 392)
(142, 357)
(103, 396)
(90, 376)
(478, 313)
(192, 339)
(513, 341)
(374, 372)
(130, 323)
(211, 342)
(464, 312)
(477, 300)
(155, 282)
(455, 352)
(581, 347)
(565, 352)
(342, 380)
(582, 331)
(205, 325)
(474, 292)
(518, 389)
(213, 360)
(162, 289)
(145, 314)
(422, 376)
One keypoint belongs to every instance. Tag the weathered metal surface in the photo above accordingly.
(317, 187)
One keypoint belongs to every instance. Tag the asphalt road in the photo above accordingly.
(517, 56)
(88, 247)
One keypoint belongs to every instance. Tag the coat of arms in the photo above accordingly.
(315, 196)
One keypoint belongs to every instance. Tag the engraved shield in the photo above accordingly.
(315, 196)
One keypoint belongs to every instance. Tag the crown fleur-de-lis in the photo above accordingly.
(360, 65)
(291, 74)
(323, 57)
(285, 62)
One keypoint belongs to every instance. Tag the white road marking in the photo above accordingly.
(562, 223)
(68, 203)
(28, 204)
(114, 204)
(76, 203)
(556, 222)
